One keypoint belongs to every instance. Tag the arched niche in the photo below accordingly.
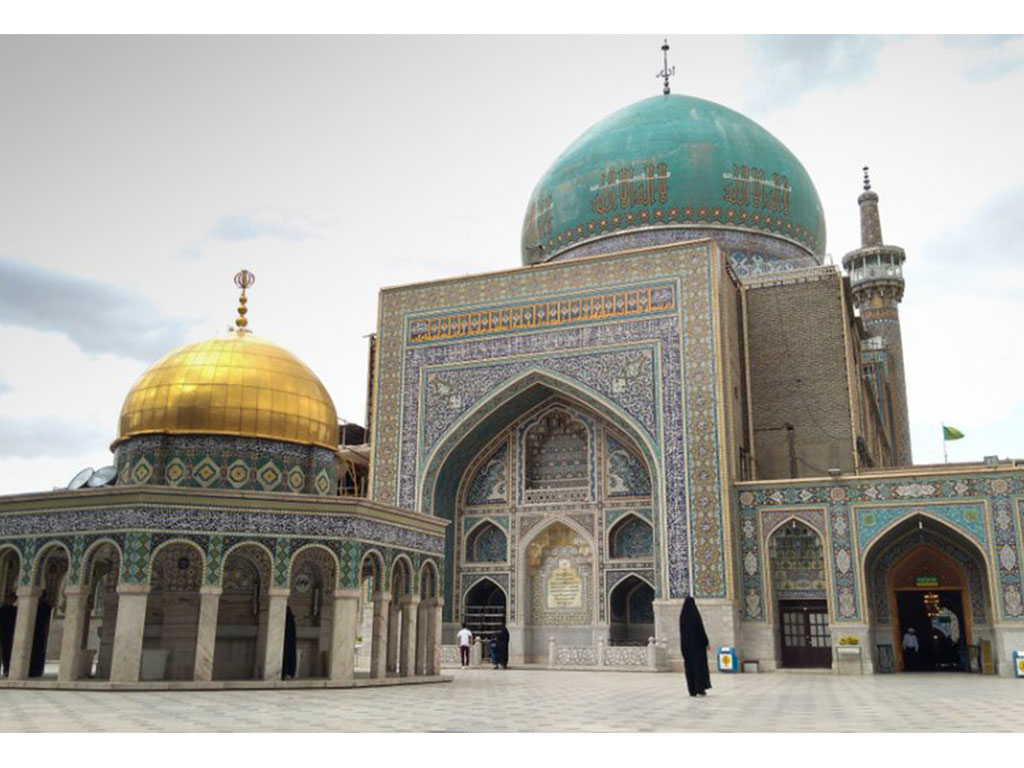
(101, 575)
(314, 574)
(557, 454)
(631, 537)
(242, 612)
(172, 612)
(631, 612)
(484, 609)
(799, 588)
(486, 543)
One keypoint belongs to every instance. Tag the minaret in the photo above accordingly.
(876, 279)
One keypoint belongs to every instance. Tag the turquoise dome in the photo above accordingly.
(673, 161)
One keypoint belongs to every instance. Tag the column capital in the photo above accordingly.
(29, 591)
(279, 591)
(381, 596)
(129, 588)
(409, 600)
(77, 589)
(346, 594)
(211, 590)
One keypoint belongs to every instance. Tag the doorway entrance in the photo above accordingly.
(806, 642)
(937, 617)
(485, 610)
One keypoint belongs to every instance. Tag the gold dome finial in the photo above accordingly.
(244, 279)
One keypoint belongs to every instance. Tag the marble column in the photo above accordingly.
(273, 651)
(342, 661)
(394, 634)
(24, 629)
(432, 637)
(206, 633)
(131, 623)
(422, 620)
(75, 622)
(379, 652)
(407, 658)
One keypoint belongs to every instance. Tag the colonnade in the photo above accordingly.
(406, 641)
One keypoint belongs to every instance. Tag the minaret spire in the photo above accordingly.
(666, 72)
(244, 279)
(876, 282)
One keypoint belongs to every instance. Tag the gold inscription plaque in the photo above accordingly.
(565, 587)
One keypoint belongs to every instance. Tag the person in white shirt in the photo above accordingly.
(910, 649)
(465, 639)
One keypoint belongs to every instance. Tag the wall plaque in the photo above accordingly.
(565, 587)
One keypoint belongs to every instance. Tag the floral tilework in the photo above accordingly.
(490, 484)
(970, 518)
(627, 476)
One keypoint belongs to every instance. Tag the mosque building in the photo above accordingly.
(674, 395)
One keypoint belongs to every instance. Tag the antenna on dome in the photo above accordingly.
(244, 279)
(666, 72)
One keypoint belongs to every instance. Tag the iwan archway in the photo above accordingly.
(553, 496)
(926, 576)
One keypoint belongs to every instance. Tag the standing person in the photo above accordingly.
(693, 642)
(40, 634)
(465, 639)
(8, 616)
(493, 646)
(911, 650)
(289, 658)
(501, 647)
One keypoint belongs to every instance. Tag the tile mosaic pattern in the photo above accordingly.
(627, 475)
(490, 484)
(235, 463)
(474, 376)
(859, 512)
(878, 571)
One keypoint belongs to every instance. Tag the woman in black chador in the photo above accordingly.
(693, 642)
(501, 648)
(289, 657)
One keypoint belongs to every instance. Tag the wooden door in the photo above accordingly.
(806, 641)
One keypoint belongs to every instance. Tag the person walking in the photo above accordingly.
(465, 639)
(693, 642)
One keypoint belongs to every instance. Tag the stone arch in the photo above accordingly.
(920, 533)
(11, 564)
(176, 574)
(486, 542)
(401, 577)
(630, 610)
(40, 565)
(372, 566)
(101, 575)
(429, 580)
(621, 543)
(245, 578)
(313, 578)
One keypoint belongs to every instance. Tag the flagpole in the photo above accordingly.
(945, 455)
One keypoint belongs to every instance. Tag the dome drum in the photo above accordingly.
(227, 463)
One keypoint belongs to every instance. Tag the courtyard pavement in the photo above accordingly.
(539, 700)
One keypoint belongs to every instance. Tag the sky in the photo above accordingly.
(139, 174)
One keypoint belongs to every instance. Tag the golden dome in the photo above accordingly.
(239, 385)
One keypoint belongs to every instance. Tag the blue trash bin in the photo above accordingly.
(727, 661)
(1018, 663)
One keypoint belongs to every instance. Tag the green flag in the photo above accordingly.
(951, 433)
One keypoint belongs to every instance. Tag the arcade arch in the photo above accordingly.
(925, 574)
